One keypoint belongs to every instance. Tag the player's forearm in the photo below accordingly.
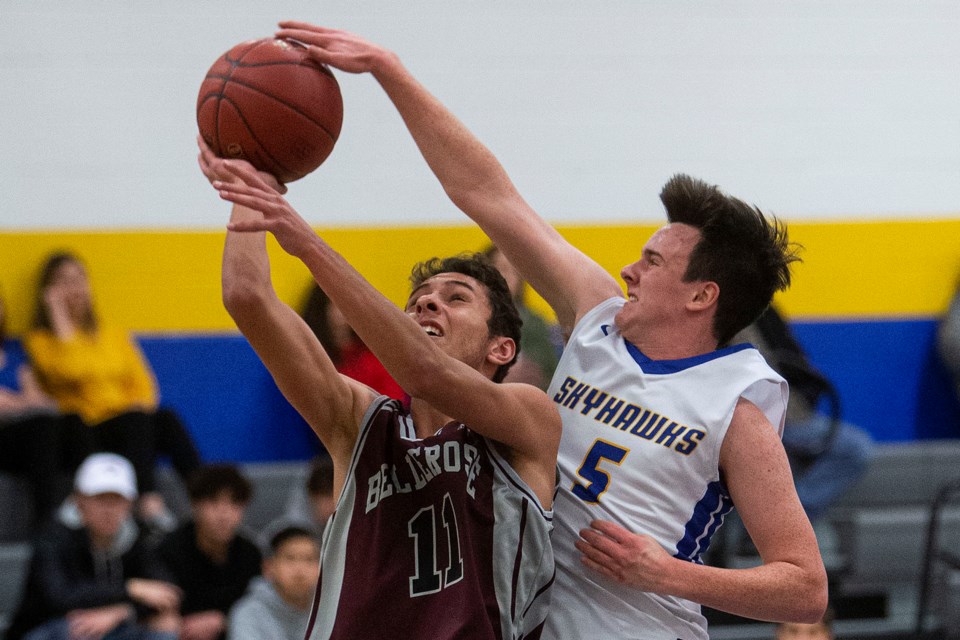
(398, 342)
(469, 173)
(245, 277)
(479, 186)
(776, 591)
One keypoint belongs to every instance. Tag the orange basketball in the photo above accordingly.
(266, 101)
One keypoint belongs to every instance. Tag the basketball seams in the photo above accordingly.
(264, 80)
(260, 145)
(259, 91)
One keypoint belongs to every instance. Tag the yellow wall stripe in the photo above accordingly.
(154, 281)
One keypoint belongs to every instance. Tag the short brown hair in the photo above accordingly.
(747, 255)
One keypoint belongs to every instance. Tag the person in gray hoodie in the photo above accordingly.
(277, 605)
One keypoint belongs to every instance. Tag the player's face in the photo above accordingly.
(294, 570)
(453, 310)
(656, 292)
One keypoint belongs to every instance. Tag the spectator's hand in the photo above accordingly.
(629, 558)
(206, 625)
(10, 402)
(55, 297)
(94, 624)
(156, 594)
(213, 168)
(339, 49)
(32, 395)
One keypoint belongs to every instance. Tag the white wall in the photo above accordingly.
(810, 109)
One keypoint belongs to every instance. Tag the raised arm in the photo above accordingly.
(332, 405)
(519, 416)
(474, 180)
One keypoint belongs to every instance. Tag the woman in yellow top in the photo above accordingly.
(98, 372)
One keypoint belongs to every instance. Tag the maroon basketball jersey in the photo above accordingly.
(432, 539)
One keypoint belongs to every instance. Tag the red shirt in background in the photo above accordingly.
(359, 363)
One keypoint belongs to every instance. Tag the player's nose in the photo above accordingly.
(427, 302)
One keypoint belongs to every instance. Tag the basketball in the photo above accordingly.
(266, 101)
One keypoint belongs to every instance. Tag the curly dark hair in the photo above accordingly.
(747, 255)
(504, 319)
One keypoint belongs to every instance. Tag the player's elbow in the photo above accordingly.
(241, 298)
(811, 599)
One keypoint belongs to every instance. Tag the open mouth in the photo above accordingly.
(432, 330)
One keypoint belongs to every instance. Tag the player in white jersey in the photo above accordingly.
(442, 524)
(698, 280)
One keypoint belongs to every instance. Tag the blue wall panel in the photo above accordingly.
(228, 399)
(890, 379)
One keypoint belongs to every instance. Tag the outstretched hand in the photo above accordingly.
(246, 187)
(629, 558)
(339, 49)
(213, 168)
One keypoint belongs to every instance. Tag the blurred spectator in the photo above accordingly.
(97, 372)
(209, 559)
(313, 502)
(99, 578)
(348, 353)
(34, 438)
(540, 340)
(948, 340)
(822, 630)
(277, 606)
(826, 454)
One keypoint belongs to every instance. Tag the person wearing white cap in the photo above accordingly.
(99, 578)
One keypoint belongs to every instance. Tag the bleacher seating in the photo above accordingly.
(16, 507)
(874, 545)
(881, 525)
(14, 560)
(273, 483)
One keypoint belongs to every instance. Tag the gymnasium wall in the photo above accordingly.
(839, 117)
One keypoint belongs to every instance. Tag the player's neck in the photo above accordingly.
(427, 419)
(674, 342)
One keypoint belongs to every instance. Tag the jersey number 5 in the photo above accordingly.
(597, 479)
(423, 529)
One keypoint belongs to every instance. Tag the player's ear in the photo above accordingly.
(501, 350)
(706, 295)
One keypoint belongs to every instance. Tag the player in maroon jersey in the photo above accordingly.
(444, 511)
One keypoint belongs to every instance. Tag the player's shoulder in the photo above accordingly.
(601, 311)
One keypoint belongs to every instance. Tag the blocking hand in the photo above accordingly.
(339, 49)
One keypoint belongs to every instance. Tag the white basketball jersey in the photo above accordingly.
(641, 447)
